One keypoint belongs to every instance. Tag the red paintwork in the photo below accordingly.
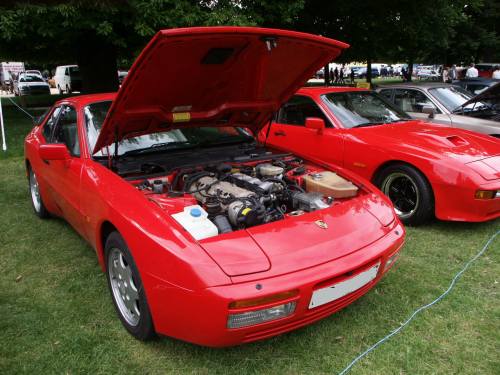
(244, 91)
(189, 284)
(456, 162)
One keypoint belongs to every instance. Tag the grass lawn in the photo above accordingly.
(57, 315)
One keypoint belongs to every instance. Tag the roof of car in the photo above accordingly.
(88, 99)
(323, 90)
(421, 85)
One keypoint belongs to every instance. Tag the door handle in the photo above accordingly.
(279, 133)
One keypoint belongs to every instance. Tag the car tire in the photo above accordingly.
(409, 191)
(126, 289)
(60, 90)
(36, 197)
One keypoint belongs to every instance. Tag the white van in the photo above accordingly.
(67, 79)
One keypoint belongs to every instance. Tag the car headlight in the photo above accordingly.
(251, 318)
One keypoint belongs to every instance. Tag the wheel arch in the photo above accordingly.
(389, 163)
(105, 229)
(28, 167)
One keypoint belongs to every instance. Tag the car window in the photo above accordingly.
(297, 109)
(386, 94)
(453, 98)
(362, 108)
(49, 125)
(95, 114)
(66, 130)
(412, 100)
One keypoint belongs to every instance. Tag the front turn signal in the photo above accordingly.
(263, 300)
(486, 194)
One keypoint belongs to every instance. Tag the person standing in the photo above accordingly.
(452, 74)
(336, 75)
(341, 75)
(445, 74)
(496, 72)
(352, 76)
(472, 72)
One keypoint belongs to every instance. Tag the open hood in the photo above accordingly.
(491, 94)
(213, 76)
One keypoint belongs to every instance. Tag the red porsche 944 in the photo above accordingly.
(425, 169)
(204, 234)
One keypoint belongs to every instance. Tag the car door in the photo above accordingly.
(288, 131)
(413, 101)
(63, 176)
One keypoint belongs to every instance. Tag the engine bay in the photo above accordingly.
(230, 196)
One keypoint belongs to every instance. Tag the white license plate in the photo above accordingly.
(336, 291)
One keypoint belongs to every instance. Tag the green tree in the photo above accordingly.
(95, 34)
(476, 36)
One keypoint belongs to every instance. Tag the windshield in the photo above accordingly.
(172, 139)
(31, 78)
(362, 108)
(453, 97)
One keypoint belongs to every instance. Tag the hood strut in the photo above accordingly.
(114, 159)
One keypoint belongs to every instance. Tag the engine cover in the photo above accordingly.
(210, 186)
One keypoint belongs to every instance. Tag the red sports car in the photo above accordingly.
(204, 234)
(425, 169)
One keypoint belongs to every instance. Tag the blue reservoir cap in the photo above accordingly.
(195, 212)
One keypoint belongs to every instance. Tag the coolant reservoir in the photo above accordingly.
(195, 220)
(330, 184)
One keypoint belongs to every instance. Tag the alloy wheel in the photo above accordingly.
(403, 193)
(124, 288)
(35, 192)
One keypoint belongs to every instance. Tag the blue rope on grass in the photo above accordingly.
(420, 309)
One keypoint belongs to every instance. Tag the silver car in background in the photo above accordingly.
(445, 104)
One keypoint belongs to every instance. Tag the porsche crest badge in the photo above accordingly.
(321, 224)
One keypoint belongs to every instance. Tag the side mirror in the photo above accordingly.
(55, 151)
(316, 124)
(429, 109)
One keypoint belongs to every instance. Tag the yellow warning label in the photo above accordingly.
(181, 116)
(246, 211)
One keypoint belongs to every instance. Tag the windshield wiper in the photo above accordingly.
(228, 141)
(157, 147)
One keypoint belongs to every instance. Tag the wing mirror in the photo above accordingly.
(429, 109)
(315, 123)
(55, 151)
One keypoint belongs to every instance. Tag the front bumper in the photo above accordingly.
(459, 203)
(201, 316)
(44, 90)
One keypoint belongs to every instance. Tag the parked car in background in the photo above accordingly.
(443, 103)
(34, 72)
(188, 207)
(361, 73)
(30, 84)
(476, 85)
(356, 69)
(425, 169)
(68, 79)
(428, 73)
(485, 70)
